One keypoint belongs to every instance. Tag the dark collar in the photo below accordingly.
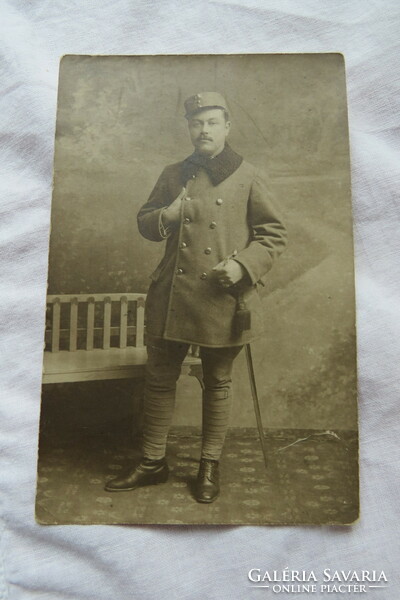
(218, 168)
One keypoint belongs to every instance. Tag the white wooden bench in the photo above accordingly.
(92, 337)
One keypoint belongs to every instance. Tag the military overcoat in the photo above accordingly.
(236, 215)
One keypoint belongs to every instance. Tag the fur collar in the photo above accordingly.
(218, 168)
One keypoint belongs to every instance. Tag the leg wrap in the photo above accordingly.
(217, 398)
(162, 372)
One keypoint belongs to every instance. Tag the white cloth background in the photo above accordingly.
(103, 562)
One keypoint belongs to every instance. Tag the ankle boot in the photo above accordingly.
(207, 484)
(148, 472)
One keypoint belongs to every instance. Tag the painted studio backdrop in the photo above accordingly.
(120, 121)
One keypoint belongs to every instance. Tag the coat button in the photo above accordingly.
(219, 201)
(213, 225)
(207, 251)
(183, 245)
(203, 276)
(179, 271)
(186, 220)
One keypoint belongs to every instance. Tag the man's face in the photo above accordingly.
(208, 131)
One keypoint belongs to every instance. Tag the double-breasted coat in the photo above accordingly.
(226, 211)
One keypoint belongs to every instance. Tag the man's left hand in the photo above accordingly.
(228, 272)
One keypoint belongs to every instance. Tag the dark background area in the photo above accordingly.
(120, 121)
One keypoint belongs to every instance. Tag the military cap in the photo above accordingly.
(204, 100)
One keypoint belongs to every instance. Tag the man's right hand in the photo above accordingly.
(172, 214)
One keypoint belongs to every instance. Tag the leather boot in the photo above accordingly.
(207, 484)
(148, 472)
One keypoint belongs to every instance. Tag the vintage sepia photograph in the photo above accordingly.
(199, 361)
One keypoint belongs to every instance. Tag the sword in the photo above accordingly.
(256, 403)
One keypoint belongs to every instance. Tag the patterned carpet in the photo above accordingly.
(312, 479)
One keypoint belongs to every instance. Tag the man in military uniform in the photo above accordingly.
(222, 235)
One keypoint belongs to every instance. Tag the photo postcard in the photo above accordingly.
(200, 353)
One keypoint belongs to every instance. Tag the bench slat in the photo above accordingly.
(107, 323)
(140, 322)
(90, 325)
(73, 325)
(55, 333)
(123, 324)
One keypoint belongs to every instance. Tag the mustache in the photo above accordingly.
(204, 137)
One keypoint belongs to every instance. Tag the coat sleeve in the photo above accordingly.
(149, 217)
(268, 232)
